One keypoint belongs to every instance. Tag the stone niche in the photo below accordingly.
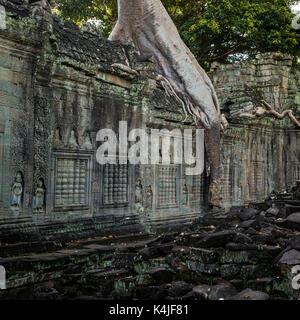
(60, 85)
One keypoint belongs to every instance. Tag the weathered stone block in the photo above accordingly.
(230, 271)
(199, 268)
(217, 239)
(249, 294)
(238, 257)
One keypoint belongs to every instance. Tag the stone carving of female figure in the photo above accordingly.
(17, 191)
(149, 197)
(40, 197)
(139, 196)
(185, 194)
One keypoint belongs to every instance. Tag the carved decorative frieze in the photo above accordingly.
(297, 171)
(197, 189)
(41, 135)
(72, 181)
(258, 178)
(228, 173)
(168, 178)
(115, 184)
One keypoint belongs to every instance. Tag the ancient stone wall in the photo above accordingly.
(259, 156)
(59, 89)
(60, 85)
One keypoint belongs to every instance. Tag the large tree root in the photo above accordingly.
(147, 24)
(260, 112)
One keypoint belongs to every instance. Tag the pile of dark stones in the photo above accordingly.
(248, 254)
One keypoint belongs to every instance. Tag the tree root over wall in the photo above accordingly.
(261, 112)
(147, 24)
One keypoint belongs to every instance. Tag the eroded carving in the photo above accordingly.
(41, 10)
(58, 139)
(71, 184)
(73, 144)
(115, 184)
(149, 197)
(17, 193)
(167, 186)
(39, 198)
(184, 194)
(139, 196)
(87, 145)
(198, 188)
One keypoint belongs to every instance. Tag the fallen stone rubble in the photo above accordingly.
(247, 254)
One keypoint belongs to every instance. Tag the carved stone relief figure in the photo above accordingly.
(39, 199)
(240, 194)
(87, 145)
(149, 197)
(57, 139)
(297, 192)
(17, 192)
(139, 195)
(73, 141)
(249, 192)
(185, 194)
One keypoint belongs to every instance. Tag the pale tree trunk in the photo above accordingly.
(147, 24)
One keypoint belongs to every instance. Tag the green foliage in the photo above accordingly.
(82, 10)
(240, 26)
(215, 30)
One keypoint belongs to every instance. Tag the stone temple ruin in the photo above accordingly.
(59, 85)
